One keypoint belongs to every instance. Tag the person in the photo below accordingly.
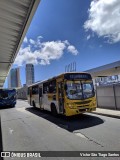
(71, 93)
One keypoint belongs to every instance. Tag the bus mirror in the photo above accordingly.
(65, 87)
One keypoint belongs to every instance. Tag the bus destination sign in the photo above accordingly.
(72, 76)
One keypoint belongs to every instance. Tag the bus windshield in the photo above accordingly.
(88, 90)
(79, 89)
(3, 94)
(7, 94)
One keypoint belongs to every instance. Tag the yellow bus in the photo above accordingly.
(68, 94)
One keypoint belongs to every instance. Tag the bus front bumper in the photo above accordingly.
(3, 104)
(70, 112)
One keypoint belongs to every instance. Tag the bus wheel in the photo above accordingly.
(34, 104)
(53, 110)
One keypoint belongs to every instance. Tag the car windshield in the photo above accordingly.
(79, 89)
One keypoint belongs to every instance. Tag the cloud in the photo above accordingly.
(88, 37)
(104, 19)
(25, 40)
(38, 52)
(32, 41)
(72, 50)
(40, 37)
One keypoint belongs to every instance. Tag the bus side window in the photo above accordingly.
(35, 89)
(52, 86)
(49, 87)
(45, 88)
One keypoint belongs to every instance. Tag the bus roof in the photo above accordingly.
(38, 82)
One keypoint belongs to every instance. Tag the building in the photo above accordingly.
(22, 93)
(29, 74)
(107, 80)
(14, 78)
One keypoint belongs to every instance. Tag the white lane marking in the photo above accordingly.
(80, 135)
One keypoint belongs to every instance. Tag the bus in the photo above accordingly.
(68, 94)
(7, 97)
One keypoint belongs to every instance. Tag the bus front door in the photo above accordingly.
(61, 97)
(40, 97)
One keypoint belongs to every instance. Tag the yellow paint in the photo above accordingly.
(73, 109)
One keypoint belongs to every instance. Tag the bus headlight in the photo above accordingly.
(71, 106)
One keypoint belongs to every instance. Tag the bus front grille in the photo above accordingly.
(83, 106)
(84, 102)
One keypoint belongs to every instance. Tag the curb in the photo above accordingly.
(107, 115)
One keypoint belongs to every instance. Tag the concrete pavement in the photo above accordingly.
(25, 128)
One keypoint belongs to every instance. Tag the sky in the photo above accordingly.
(64, 31)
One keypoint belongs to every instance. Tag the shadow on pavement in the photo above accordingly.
(69, 123)
(1, 147)
(6, 107)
